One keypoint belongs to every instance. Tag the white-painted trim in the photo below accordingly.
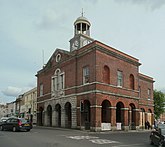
(95, 106)
(136, 110)
(92, 91)
(101, 84)
(112, 107)
(124, 108)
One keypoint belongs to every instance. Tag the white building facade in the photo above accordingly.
(30, 105)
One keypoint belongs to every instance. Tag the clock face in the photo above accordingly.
(85, 42)
(76, 43)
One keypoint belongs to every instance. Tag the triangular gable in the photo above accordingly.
(58, 56)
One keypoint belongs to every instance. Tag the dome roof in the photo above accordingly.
(82, 19)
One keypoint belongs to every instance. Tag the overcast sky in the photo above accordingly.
(27, 28)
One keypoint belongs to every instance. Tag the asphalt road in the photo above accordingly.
(46, 137)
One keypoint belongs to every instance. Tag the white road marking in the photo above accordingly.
(127, 145)
(102, 141)
(82, 137)
(92, 139)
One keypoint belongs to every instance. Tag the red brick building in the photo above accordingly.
(94, 86)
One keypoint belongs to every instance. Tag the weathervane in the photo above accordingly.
(82, 13)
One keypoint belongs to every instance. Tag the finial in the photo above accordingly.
(82, 13)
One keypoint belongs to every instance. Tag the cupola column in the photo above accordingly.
(86, 29)
(81, 29)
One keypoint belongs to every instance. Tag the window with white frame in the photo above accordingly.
(53, 83)
(41, 89)
(149, 94)
(119, 78)
(85, 75)
(62, 81)
(58, 81)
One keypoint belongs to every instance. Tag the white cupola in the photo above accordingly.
(81, 33)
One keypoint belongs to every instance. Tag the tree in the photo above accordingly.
(159, 103)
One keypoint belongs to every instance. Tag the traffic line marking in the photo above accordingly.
(82, 137)
(127, 145)
(93, 139)
(102, 141)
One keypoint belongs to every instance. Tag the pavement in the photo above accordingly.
(91, 132)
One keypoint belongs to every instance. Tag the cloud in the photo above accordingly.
(48, 20)
(91, 1)
(151, 4)
(51, 19)
(14, 91)
(162, 90)
(32, 84)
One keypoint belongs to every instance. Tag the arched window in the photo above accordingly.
(106, 75)
(131, 79)
(57, 84)
(58, 80)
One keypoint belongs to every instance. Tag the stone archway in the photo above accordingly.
(150, 119)
(68, 115)
(142, 118)
(119, 113)
(58, 115)
(132, 116)
(40, 116)
(105, 112)
(49, 115)
(85, 114)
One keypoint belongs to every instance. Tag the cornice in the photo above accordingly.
(116, 55)
(146, 78)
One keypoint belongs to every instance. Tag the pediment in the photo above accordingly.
(58, 56)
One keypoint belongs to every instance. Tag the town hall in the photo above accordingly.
(93, 87)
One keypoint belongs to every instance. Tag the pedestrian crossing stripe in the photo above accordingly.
(93, 139)
(82, 137)
(102, 141)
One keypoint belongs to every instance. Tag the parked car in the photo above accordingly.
(16, 124)
(3, 119)
(157, 137)
(160, 126)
